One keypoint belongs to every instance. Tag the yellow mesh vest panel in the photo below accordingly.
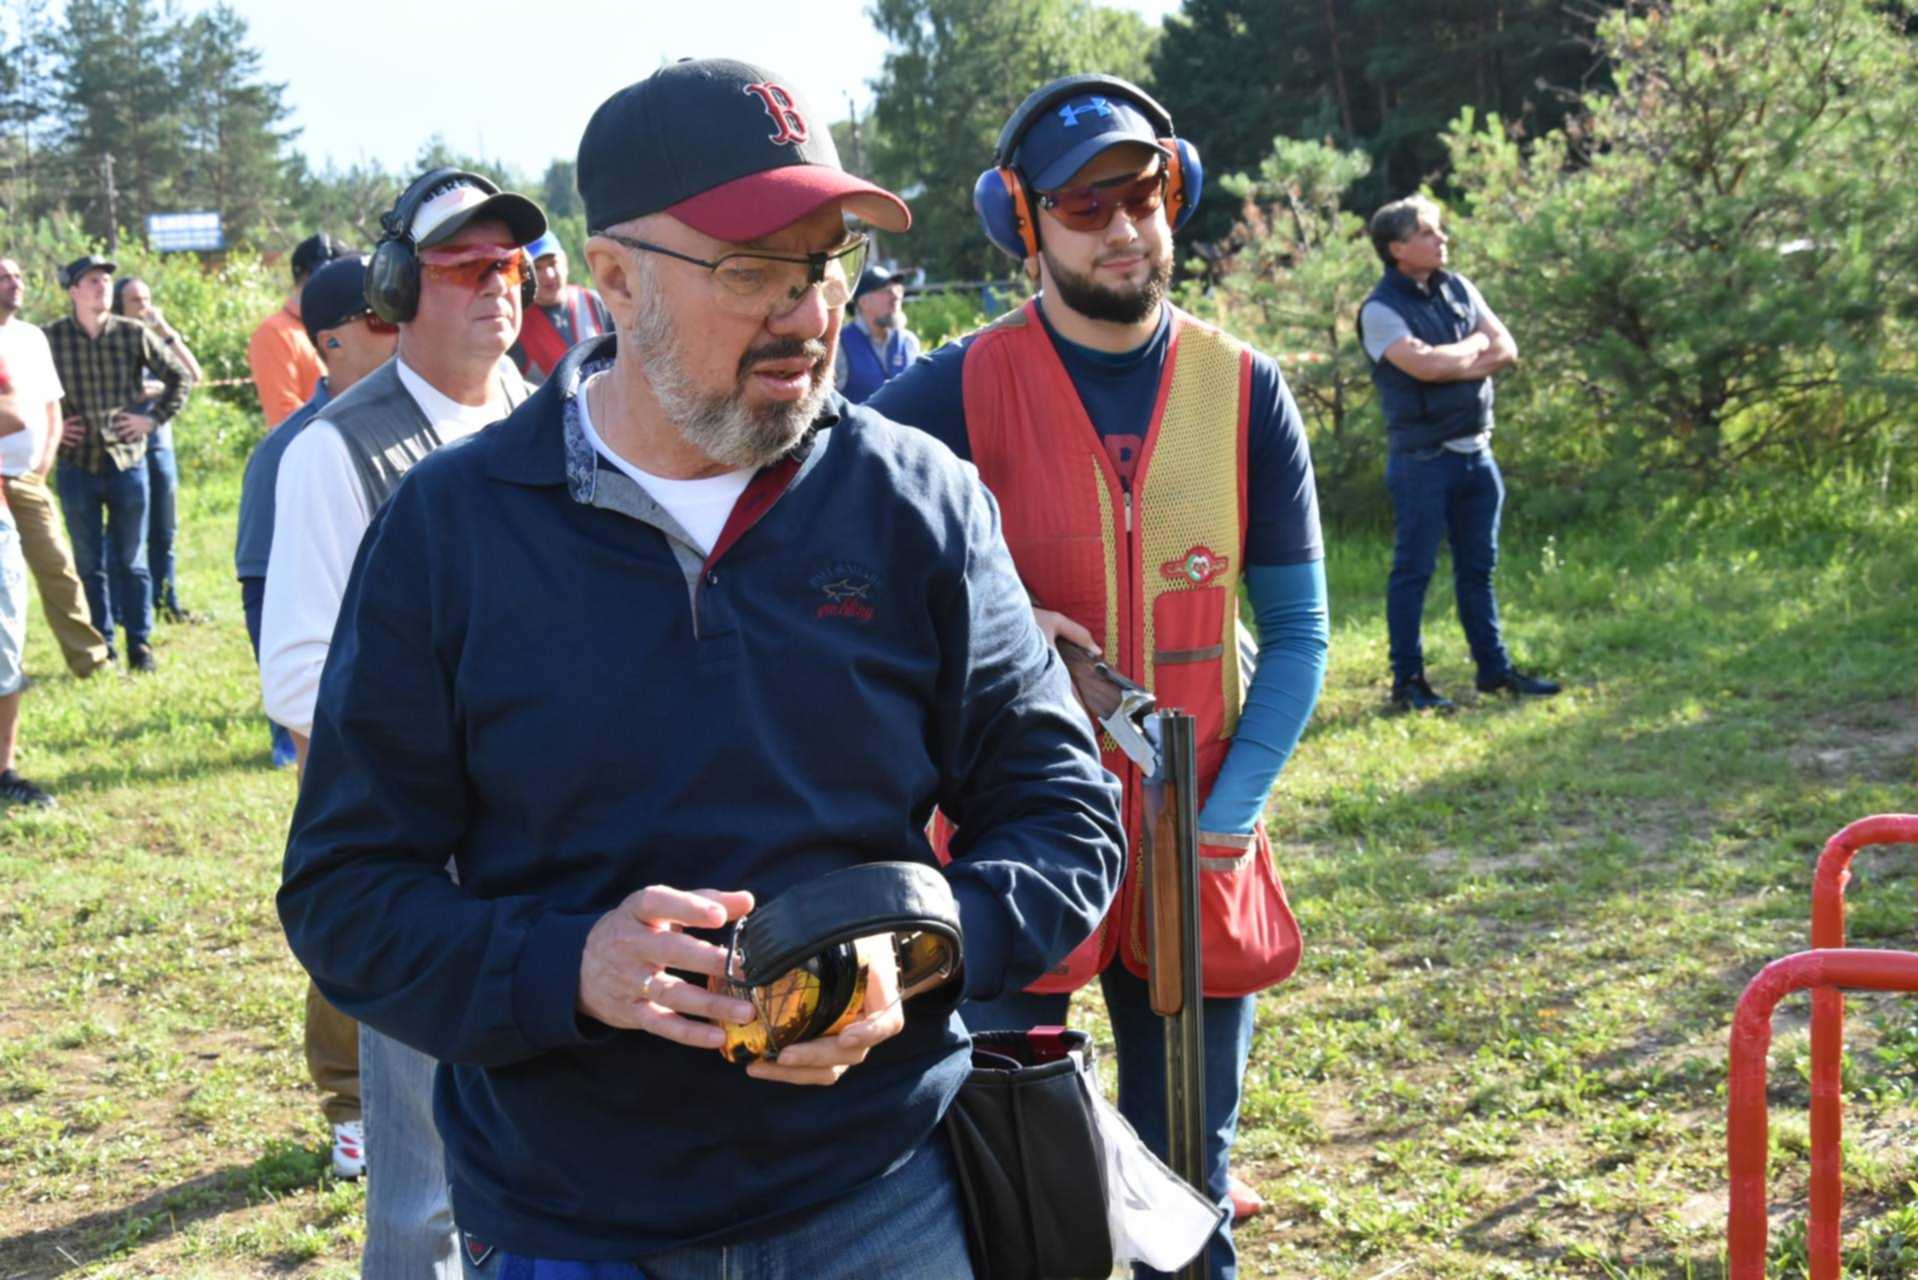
(1191, 494)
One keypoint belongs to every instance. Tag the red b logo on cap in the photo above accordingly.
(779, 107)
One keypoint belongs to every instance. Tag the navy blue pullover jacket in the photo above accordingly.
(521, 681)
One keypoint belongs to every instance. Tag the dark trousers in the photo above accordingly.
(1441, 494)
(163, 484)
(118, 500)
(1139, 1042)
(253, 603)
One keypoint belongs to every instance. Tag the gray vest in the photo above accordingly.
(385, 431)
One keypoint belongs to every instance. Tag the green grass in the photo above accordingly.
(1503, 1055)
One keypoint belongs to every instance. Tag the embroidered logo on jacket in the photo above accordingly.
(1198, 566)
(849, 589)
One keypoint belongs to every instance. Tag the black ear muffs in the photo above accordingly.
(1006, 211)
(393, 274)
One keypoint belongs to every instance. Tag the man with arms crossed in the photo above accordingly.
(706, 632)
(1434, 347)
(1147, 464)
(453, 283)
(26, 457)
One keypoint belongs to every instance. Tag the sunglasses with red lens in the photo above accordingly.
(468, 267)
(1091, 208)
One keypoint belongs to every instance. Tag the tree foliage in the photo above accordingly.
(1360, 75)
(955, 71)
(1290, 280)
(1711, 263)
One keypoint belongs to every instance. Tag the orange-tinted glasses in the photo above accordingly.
(469, 265)
(1091, 208)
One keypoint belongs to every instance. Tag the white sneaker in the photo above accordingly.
(349, 1150)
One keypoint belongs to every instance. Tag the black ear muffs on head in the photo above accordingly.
(393, 274)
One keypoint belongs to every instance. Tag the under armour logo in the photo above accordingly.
(1071, 112)
(783, 112)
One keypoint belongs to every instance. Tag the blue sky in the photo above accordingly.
(373, 79)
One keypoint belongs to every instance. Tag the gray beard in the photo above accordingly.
(720, 424)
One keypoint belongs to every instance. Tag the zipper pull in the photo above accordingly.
(1128, 511)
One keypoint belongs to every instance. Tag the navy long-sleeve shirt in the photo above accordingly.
(527, 680)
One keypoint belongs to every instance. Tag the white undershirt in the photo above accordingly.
(36, 383)
(319, 517)
(700, 506)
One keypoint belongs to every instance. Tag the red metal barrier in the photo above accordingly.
(1828, 1032)
(1747, 1125)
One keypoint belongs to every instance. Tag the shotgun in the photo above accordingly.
(1163, 744)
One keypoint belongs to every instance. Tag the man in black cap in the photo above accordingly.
(452, 283)
(353, 342)
(876, 345)
(788, 627)
(102, 359)
(285, 366)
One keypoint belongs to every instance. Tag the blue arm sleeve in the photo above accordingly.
(1289, 605)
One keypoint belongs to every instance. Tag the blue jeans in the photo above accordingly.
(1139, 1037)
(1441, 493)
(163, 483)
(909, 1223)
(120, 497)
(409, 1207)
(252, 604)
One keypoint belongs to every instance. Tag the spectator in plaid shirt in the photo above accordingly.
(99, 357)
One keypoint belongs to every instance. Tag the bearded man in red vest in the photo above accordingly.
(1147, 466)
(561, 317)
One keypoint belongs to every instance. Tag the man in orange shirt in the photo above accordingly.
(285, 366)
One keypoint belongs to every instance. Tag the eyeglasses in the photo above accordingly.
(376, 325)
(469, 267)
(1091, 208)
(758, 285)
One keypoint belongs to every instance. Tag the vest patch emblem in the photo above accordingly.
(849, 590)
(1198, 566)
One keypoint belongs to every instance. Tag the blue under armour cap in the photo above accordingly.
(1060, 143)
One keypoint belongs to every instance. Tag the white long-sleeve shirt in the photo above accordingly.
(319, 517)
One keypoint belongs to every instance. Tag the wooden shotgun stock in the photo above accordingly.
(1175, 977)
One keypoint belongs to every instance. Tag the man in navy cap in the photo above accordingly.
(876, 345)
(790, 628)
(1146, 466)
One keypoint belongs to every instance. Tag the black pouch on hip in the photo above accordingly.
(1029, 1160)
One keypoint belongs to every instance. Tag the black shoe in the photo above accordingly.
(172, 612)
(113, 658)
(140, 658)
(15, 789)
(1417, 694)
(1518, 684)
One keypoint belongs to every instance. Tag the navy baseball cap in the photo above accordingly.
(875, 278)
(71, 273)
(333, 295)
(1061, 142)
(314, 252)
(728, 148)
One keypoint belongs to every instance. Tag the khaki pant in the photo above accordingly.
(333, 1057)
(43, 540)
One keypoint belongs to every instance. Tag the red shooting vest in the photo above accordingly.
(541, 340)
(1154, 576)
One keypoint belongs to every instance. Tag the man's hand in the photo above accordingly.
(73, 430)
(1056, 626)
(824, 1060)
(622, 973)
(132, 426)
